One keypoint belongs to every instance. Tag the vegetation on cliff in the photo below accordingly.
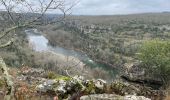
(155, 57)
(109, 40)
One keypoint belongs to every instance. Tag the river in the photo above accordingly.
(40, 44)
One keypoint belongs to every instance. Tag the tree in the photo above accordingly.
(155, 57)
(26, 13)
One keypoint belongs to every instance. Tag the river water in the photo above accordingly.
(40, 44)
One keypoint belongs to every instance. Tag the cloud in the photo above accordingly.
(110, 7)
(106, 7)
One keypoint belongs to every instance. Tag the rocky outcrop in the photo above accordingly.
(113, 97)
(71, 85)
(76, 87)
(7, 80)
(136, 74)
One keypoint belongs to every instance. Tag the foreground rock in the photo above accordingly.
(76, 87)
(65, 86)
(112, 97)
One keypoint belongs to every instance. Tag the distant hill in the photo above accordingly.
(161, 18)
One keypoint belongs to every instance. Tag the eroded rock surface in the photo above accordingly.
(135, 73)
(112, 97)
(74, 87)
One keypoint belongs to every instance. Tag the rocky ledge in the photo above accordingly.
(136, 74)
(76, 87)
(113, 97)
(36, 84)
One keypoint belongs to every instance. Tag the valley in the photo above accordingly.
(95, 54)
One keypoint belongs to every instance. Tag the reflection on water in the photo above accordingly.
(40, 43)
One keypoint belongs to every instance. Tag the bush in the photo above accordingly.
(155, 57)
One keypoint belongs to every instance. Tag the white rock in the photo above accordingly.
(100, 83)
(112, 97)
(78, 78)
(41, 88)
(134, 97)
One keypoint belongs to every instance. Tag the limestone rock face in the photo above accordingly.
(133, 97)
(61, 86)
(99, 83)
(135, 73)
(112, 97)
(46, 86)
(77, 86)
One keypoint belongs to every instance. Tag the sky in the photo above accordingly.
(113, 7)
(102, 7)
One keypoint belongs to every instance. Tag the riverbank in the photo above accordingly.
(68, 37)
(63, 59)
(100, 48)
(72, 41)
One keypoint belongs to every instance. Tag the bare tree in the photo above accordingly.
(26, 13)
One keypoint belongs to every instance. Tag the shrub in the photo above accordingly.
(155, 57)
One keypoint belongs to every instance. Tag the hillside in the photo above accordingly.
(111, 46)
(111, 39)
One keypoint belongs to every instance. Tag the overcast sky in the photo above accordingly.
(112, 7)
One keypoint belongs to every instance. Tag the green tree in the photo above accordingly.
(155, 57)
